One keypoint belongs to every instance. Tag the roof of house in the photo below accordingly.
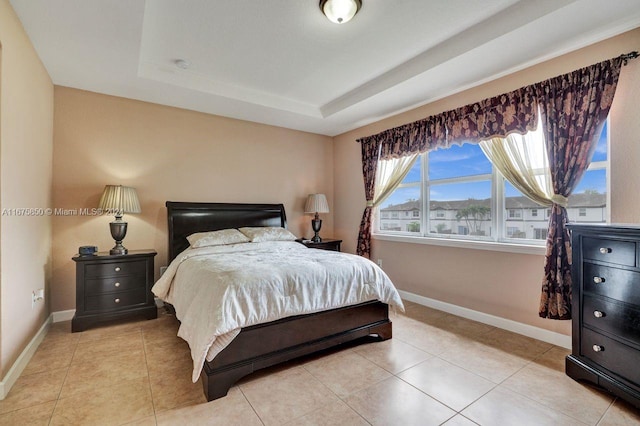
(583, 199)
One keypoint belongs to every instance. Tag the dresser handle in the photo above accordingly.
(605, 250)
(598, 348)
(598, 314)
(117, 269)
(598, 280)
(118, 301)
(117, 284)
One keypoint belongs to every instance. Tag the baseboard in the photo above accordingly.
(60, 316)
(552, 337)
(16, 369)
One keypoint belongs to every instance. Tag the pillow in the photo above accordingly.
(217, 238)
(267, 233)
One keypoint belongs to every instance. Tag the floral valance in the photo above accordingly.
(499, 116)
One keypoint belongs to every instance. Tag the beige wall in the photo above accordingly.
(26, 132)
(502, 284)
(170, 154)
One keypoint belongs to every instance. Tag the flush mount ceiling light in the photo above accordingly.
(340, 11)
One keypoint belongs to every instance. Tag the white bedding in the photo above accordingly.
(218, 290)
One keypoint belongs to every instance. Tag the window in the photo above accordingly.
(512, 230)
(515, 214)
(540, 233)
(468, 199)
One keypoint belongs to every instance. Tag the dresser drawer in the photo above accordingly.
(619, 319)
(114, 301)
(113, 284)
(115, 269)
(614, 283)
(611, 251)
(614, 356)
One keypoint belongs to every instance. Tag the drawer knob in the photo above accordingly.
(598, 280)
(598, 348)
(605, 250)
(117, 269)
(598, 314)
(117, 284)
(117, 300)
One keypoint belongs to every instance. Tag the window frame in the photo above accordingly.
(499, 240)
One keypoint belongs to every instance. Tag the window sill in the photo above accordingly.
(467, 244)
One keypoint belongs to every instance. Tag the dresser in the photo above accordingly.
(606, 308)
(113, 287)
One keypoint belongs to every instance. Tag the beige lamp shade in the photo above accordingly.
(316, 203)
(119, 199)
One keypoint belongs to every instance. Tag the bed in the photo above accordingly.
(266, 344)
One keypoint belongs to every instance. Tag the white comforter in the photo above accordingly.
(218, 290)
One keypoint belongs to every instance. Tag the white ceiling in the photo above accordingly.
(281, 62)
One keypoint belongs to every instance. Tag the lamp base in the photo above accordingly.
(118, 231)
(118, 249)
(316, 224)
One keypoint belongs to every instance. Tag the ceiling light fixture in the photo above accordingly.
(340, 11)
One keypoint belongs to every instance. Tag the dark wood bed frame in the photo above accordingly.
(264, 345)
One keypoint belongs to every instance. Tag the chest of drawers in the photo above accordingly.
(113, 287)
(606, 308)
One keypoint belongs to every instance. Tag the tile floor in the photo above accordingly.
(438, 369)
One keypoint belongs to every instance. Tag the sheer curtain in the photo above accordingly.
(522, 160)
(388, 175)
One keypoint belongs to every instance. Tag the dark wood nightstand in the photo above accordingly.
(325, 244)
(112, 287)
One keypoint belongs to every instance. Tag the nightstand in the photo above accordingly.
(325, 244)
(110, 287)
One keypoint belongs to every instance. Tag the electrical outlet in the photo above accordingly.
(379, 262)
(36, 295)
(163, 269)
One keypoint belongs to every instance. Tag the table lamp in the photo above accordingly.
(118, 199)
(316, 203)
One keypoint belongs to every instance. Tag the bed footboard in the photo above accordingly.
(269, 344)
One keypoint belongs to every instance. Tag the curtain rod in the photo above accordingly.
(628, 56)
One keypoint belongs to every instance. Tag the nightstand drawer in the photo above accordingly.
(619, 319)
(113, 301)
(113, 284)
(114, 269)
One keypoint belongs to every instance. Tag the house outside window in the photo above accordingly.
(540, 233)
(511, 230)
(469, 199)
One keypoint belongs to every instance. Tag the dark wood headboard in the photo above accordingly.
(188, 218)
